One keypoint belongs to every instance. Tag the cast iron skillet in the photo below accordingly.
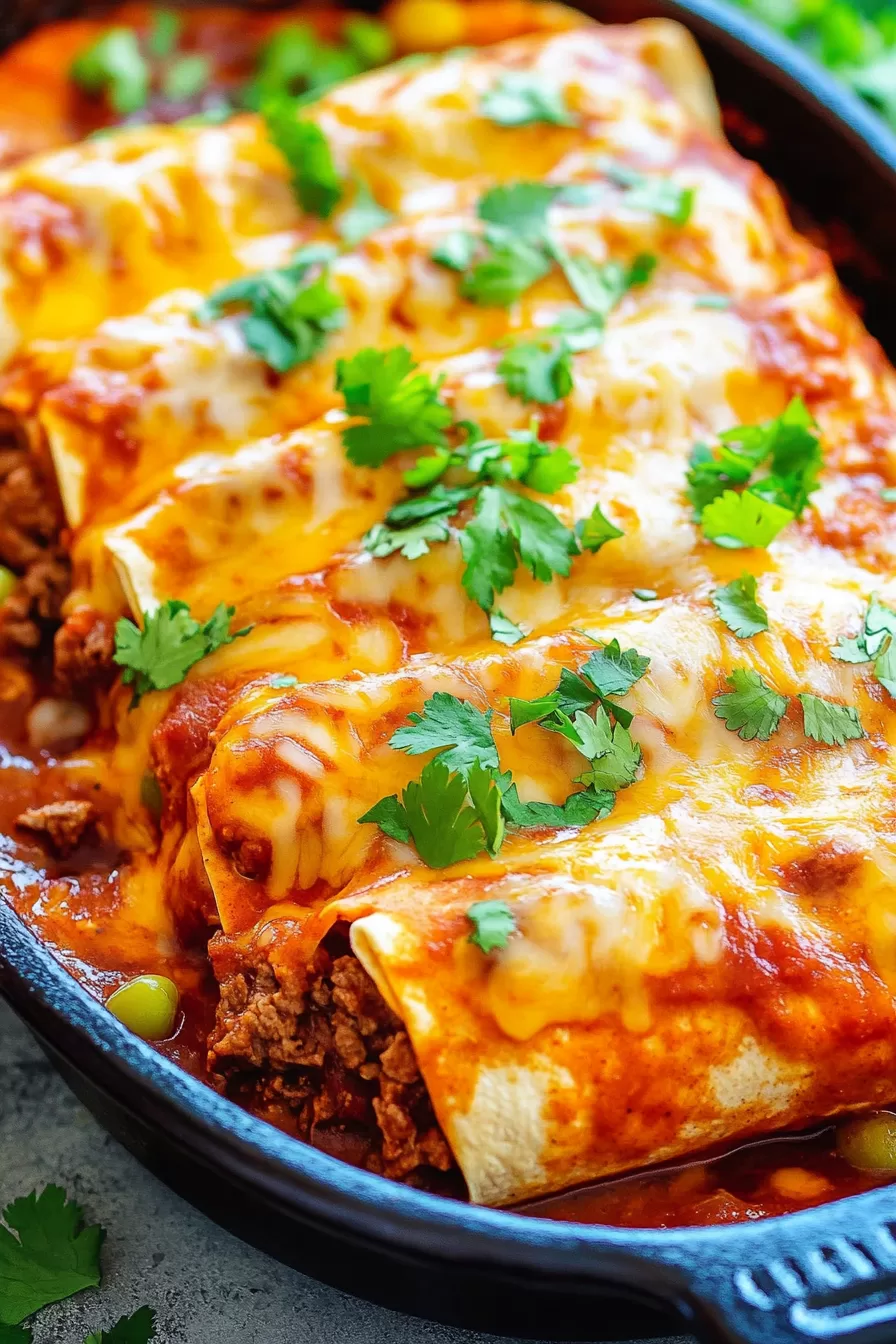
(824, 1274)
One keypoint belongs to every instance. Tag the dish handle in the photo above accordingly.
(826, 1275)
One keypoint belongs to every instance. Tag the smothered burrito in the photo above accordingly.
(459, 506)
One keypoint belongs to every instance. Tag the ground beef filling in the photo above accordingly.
(30, 545)
(61, 826)
(326, 1048)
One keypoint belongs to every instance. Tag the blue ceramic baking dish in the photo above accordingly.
(826, 1274)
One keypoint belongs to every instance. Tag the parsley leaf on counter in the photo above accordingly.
(114, 65)
(138, 1328)
(538, 370)
(459, 731)
(290, 316)
(825, 721)
(170, 643)
(45, 1254)
(493, 923)
(402, 408)
(736, 604)
(752, 709)
(521, 99)
(315, 181)
(363, 217)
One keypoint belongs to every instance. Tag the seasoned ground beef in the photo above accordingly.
(61, 825)
(83, 649)
(324, 1046)
(31, 546)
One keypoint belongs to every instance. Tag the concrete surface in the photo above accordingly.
(207, 1287)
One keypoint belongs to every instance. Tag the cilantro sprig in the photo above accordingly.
(126, 68)
(171, 642)
(753, 709)
(520, 98)
(462, 802)
(493, 923)
(292, 309)
(737, 605)
(873, 644)
(505, 529)
(313, 174)
(736, 507)
(402, 408)
(296, 63)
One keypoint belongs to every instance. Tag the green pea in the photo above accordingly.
(8, 581)
(147, 1005)
(869, 1141)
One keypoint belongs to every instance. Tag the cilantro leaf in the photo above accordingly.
(825, 721)
(522, 99)
(486, 797)
(442, 825)
(164, 33)
(411, 542)
(579, 809)
(510, 267)
(390, 816)
(170, 643)
(655, 195)
(493, 923)
(613, 670)
(488, 550)
(504, 631)
(885, 668)
(743, 520)
(456, 250)
(737, 606)
(114, 65)
(315, 181)
(878, 630)
(363, 217)
(595, 530)
(283, 681)
(644, 594)
(546, 546)
(139, 1328)
(290, 316)
(459, 731)
(45, 1254)
(599, 287)
(752, 709)
(533, 711)
(520, 206)
(538, 370)
(402, 408)
(580, 329)
(186, 77)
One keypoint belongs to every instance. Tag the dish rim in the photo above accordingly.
(313, 1187)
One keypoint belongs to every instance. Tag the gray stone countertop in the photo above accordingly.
(206, 1286)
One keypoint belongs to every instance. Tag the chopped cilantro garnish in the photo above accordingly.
(290, 315)
(493, 923)
(522, 99)
(294, 61)
(164, 33)
(283, 681)
(596, 530)
(455, 728)
(521, 206)
(888, 494)
(578, 810)
(138, 1328)
(45, 1254)
(363, 217)
(435, 814)
(402, 408)
(737, 606)
(170, 643)
(752, 709)
(456, 250)
(825, 721)
(510, 267)
(600, 286)
(644, 594)
(114, 65)
(656, 195)
(717, 301)
(305, 148)
(508, 529)
(538, 370)
(743, 520)
(789, 444)
(186, 77)
(504, 631)
(512, 256)
(874, 643)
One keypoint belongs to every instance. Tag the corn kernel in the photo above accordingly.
(427, 25)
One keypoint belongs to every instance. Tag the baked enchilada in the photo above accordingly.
(450, 527)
